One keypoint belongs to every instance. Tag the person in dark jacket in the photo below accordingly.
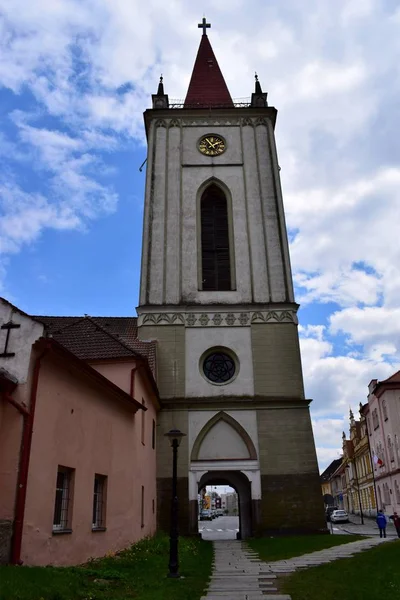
(396, 521)
(381, 521)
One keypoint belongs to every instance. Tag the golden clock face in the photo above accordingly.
(212, 145)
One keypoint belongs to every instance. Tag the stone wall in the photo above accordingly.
(276, 360)
(170, 357)
(291, 493)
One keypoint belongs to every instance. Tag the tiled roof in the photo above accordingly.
(330, 469)
(96, 338)
(392, 379)
(125, 327)
(207, 85)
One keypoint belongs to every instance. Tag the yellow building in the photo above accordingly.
(359, 488)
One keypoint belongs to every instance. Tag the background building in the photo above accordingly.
(78, 414)
(382, 414)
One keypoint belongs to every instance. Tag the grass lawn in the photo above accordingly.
(138, 573)
(371, 575)
(279, 548)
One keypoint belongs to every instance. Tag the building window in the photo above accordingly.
(142, 508)
(63, 500)
(390, 449)
(99, 502)
(143, 423)
(219, 366)
(375, 419)
(397, 492)
(384, 410)
(153, 435)
(154, 506)
(215, 247)
(386, 494)
(397, 446)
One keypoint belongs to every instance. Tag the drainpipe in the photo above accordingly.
(26, 443)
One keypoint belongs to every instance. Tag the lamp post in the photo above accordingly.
(358, 491)
(175, 436)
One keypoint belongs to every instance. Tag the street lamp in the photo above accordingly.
(175, 436)
(358, 491)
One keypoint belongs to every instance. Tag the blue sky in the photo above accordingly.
(75, 78)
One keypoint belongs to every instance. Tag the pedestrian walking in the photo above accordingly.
(381, 521)
(396, 521)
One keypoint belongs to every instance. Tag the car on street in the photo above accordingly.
(205, 514)
(329, 510)
(339, 516)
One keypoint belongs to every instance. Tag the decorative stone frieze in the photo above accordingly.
(161, 319)
(242, 319)
(174, 123)
(160, 123)
(200, 122)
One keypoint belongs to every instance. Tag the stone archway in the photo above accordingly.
(242, 486)
(223, 452)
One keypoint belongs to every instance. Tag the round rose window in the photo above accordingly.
(219, 367)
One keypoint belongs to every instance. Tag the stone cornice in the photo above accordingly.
(244, 116)
(235, 403)
(204, 318)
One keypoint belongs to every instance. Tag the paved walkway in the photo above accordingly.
(238, 573)
(369, 527)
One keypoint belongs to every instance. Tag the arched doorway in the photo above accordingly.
(242, 486)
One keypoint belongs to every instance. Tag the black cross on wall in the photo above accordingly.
(8, 326)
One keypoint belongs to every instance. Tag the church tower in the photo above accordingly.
(216, 294)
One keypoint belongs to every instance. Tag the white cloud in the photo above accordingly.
(376, 328)
(336, 383)
(326, 456)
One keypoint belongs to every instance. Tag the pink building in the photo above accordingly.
(78, 415)
(383, 421)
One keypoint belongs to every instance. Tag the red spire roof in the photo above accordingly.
(207, 85)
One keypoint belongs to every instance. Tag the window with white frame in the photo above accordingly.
(397, 446)
(397, 491)
(390, 449)
(384, 410)
(375, 419)
(99, 502)
(386, 493)
(63, 499)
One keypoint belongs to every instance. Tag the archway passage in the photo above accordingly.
(240, 483)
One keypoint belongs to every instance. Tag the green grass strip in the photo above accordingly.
(138, 573)
(370, 575)
(280, 548)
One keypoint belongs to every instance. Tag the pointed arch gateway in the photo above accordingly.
(216, 239)
(234, 439)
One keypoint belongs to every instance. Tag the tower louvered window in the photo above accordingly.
(215, 255)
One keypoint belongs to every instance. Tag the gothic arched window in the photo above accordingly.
(215, 251)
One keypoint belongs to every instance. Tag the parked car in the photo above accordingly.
(205, 514)
(329, 510)
(339, 516)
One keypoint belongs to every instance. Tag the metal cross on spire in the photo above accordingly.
(204, 25)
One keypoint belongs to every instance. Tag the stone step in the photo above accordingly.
(245, 596)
